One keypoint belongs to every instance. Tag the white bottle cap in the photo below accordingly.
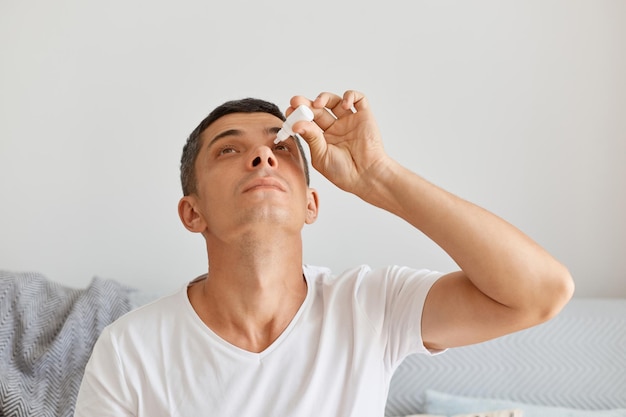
(302, 112)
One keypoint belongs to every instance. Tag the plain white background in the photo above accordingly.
(518, 106)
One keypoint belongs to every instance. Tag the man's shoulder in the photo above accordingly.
(357, 277)
(323, 275)
(156, 312)
(364, 282)
(364, 271)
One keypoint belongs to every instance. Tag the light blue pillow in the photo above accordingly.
(448, 405)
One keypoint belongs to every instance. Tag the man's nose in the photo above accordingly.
(263, 156)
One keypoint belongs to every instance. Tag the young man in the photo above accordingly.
(262, 335)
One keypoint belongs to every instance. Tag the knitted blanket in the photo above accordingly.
(47, 332)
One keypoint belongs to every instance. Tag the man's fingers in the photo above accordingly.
(314, 137)
(328, 107)
(322, 116)
(355, 100)
(334, 103)
(337, 107)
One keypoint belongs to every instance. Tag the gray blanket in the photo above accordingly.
(47, 332)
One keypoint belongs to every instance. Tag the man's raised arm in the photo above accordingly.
(507, 282)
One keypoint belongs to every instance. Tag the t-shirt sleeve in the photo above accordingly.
(393, 298)
(103, 391)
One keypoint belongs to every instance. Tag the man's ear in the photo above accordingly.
(192, 219)
(312, 206)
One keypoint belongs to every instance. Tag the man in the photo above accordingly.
(262, 335)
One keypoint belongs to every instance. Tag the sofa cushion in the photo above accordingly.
(444, 404)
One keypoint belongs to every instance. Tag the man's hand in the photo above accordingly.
(344, 140)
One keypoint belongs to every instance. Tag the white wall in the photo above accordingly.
(517, 106)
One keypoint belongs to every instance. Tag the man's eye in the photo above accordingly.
(282, 147)
(226, 149)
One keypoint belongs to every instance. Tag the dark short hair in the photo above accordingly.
(192, 146)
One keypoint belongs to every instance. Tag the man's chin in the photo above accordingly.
(267, 215)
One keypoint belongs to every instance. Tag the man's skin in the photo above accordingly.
(252, 202)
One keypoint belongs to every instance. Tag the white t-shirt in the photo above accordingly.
(335, 358)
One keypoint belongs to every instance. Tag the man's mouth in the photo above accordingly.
(264, 183)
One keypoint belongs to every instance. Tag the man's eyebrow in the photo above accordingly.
(229, 132)
(238, 132)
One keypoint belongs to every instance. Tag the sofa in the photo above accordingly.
(573, 365)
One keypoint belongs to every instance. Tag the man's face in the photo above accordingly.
(244, 180)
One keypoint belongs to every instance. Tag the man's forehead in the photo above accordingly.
(242, 121)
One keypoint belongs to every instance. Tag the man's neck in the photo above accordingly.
(252, 291)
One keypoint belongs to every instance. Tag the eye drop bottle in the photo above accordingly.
(302, 112)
